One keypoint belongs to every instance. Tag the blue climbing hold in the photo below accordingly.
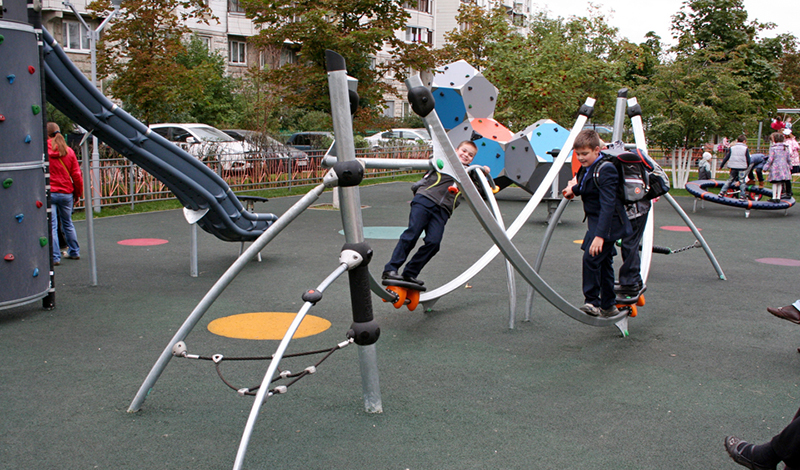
(19, 217)
(35, 272)
(11, 78)
(28, 139)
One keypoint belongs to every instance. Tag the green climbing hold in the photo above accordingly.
(36, 109)
(43, 241)
(2, 38)
(7, 183)
(440, 163)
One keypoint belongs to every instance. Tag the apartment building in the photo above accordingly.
(429, 22)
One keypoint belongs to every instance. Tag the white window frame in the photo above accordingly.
(83, 36)
(419, 35)
(240, 52)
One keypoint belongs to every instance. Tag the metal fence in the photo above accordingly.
(122, 182)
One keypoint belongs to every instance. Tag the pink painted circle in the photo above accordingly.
(779, 261)
(678, 228)
(142, 241)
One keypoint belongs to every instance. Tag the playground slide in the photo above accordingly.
(195, 185)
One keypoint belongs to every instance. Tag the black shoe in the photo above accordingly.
(736, 446)
(412, 279)
(391, 275)
(632, 289)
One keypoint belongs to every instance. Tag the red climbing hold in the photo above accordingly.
(2, 118)
(31, 70)
(39, 204)
(9, 257)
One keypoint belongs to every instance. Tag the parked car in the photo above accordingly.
(314, 140)
(207, 143)
(402, 136)
(270, 149)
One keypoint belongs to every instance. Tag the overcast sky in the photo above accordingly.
(635, 18)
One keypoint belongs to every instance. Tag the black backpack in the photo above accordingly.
(641, 179)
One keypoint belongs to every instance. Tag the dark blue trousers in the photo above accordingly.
(598, 276)
(630, 271)
(425, 215)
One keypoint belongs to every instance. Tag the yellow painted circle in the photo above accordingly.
(266, 325)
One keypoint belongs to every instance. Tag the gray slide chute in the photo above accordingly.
(195, 185)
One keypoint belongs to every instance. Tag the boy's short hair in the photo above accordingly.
(587, 138)
(469, 143)
(741, 138)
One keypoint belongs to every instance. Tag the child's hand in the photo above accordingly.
(487, 170)
(597, 246)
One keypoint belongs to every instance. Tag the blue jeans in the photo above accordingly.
(736, 175)
(61, 208)
(425, 216)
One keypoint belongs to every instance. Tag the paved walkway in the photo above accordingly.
(460, 389)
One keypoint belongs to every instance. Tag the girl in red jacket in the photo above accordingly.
(66, 187)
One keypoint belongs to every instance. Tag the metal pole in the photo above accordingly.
(87, 187)
(350, 201)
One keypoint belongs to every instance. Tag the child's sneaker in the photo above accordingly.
(611, 311)
(590, 309)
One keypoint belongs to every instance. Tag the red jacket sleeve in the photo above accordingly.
(75, 173)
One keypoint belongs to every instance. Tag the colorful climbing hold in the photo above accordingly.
(7, 183)
(28, 139)
(39, 204)
(11, 78)
(2, 38)
(43, 241)
(2, 118)
(35, 272)
(31, 69)
(36, 109)
(440, 163)
(9, 257)
(19, 217)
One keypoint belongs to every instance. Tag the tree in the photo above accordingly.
(139, 55)
(356, 29)
(720, 79)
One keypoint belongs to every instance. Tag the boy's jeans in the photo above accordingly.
(739, 175)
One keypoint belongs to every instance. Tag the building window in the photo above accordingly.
(388, 111)
(420, 35)
(235, 7)
(237, 52)
(206, 41)
(76, 37)
(288, 56)
(418, 5)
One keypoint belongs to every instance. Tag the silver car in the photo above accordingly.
(207, 143)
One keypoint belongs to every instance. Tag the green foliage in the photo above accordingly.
(64, 123)
(356, 29)
(140, 53)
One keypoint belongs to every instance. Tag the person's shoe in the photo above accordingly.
(629, 290)
(590, 310)
(69, 256)
(56, 263)
(392, 276)
(736, 446)
(774, 200)
(412, 279)
(609, 312)
(788, 312)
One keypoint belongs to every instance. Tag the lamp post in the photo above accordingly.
(94, 36)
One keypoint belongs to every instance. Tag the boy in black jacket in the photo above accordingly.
(607, 223)
(435, 198)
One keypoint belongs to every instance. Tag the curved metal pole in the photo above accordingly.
(451, 165)
(537, 264)
(511, 281)
(218, 288)
(697, 235)
(428, 299)
(261, 395)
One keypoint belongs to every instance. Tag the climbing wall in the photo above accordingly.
(24, 227)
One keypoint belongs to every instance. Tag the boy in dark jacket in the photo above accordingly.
(607, 223)
(435, 197)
